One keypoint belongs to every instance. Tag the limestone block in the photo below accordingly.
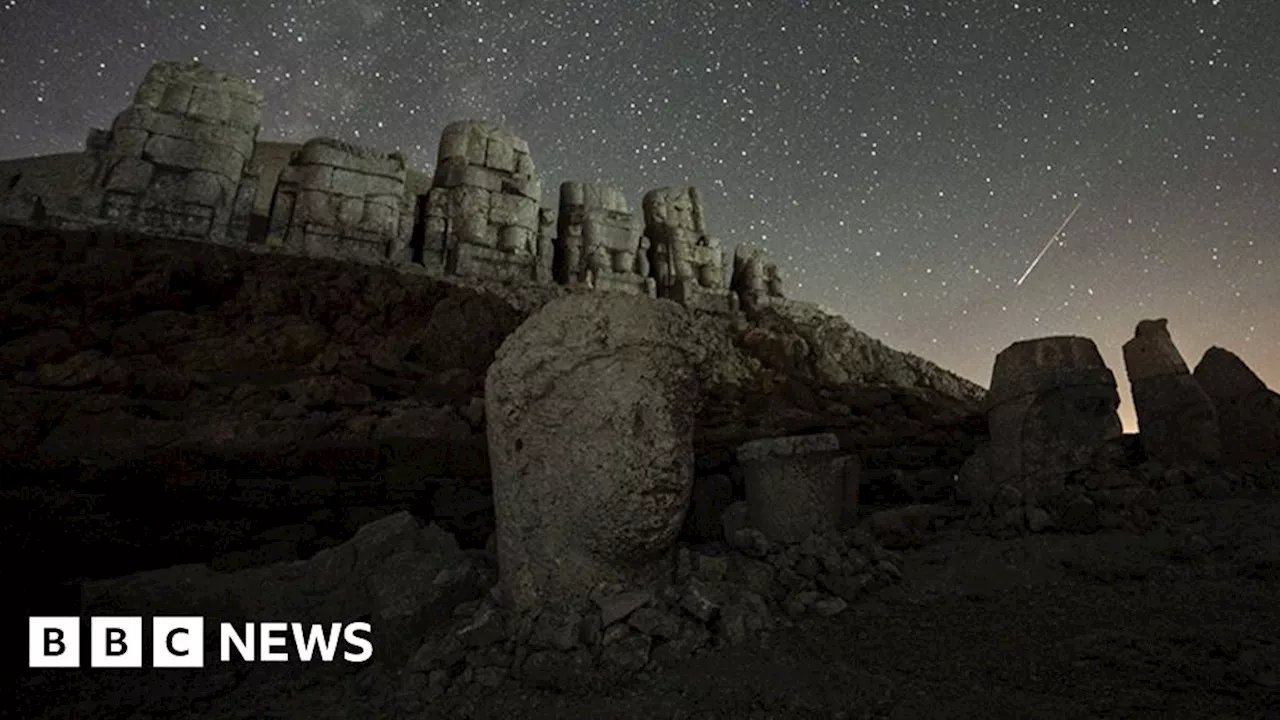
(191, 155)
(310, 177)
(1248, 411)
(379, 218)
(350, 210)
(524, 165)
(176, 98)
(1177, 421)
(350, 183)
(468, 202)
(1051, 407)
(1224, 376)
(205, 188)
(510, 209)
(795, 485)
(619, 375)
(381, 185)
(209, 104)
(167, 188)
(316, 206)
(500, 155)
(523, 185)
(128, 141)
(129, 174)
(244, 114)
(477, 148)
(453, 143)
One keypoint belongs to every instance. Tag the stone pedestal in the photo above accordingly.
(797, 485)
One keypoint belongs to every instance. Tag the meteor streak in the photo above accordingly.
(1049, 244)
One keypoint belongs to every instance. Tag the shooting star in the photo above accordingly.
(1049, 244)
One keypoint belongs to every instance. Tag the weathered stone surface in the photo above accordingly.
(340, 200)
(1248, 411)
(1051, 407)
(805, 342)
(1176, 419)
(795, 485)
(482, 212)
(599, 243)
(174, 161)
(688, 265)
(756, 279)
(617, 374)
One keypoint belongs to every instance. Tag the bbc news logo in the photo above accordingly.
(178, 642)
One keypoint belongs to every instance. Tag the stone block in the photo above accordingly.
(619, 374)
(1177, 421)
(795, 485)
(130, 175)
(500, 155)
(1248, 411)
(209, 104)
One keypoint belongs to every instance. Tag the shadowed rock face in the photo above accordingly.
(1177, 421)
(591, 406)
(1248, 411)
(1052, 405)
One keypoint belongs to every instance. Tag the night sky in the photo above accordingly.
(905, 161)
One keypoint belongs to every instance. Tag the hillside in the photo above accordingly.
(233, 393)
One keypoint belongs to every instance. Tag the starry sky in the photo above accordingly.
(904, 161)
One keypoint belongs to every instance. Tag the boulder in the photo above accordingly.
(1248, 411)
(591, 405)
(1176, 419)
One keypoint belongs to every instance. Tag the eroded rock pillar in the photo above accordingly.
(1176, 419)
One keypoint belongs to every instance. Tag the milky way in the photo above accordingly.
(905, 160)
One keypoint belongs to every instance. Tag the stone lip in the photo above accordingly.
(1032, 366)
(787, 447)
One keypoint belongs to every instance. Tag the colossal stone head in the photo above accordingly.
(591, 406)
(1051, 407)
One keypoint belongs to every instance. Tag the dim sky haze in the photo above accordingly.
(905, 162)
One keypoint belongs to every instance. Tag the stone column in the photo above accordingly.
(796, 485)
(1176, 419)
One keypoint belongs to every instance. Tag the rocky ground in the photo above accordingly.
(1180, 621)
(166, 403)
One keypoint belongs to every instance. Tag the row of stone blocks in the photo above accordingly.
(181, 160)
(1052, 411)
